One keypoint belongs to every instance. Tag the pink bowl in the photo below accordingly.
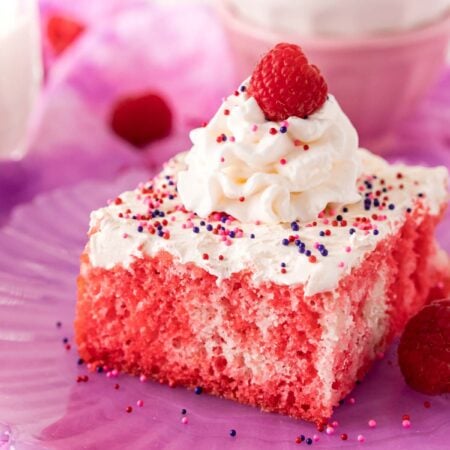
(377, 80)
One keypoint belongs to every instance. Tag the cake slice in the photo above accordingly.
(270, 265)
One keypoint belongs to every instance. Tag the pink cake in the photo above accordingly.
(270, 265)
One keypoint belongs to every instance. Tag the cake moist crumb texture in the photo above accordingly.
(260, 342)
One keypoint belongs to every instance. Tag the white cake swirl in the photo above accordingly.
(272, 172)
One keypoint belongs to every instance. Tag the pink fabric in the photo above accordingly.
(128, 47)
(181, 52)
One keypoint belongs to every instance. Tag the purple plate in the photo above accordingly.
(42, 406)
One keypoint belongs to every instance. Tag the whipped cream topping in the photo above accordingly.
(315, 254)
(272, 172)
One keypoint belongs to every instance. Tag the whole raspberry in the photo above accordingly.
(284, 84)
(424, 350)
(142, 118)
(62, 32)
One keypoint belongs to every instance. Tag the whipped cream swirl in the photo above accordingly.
(272, 172)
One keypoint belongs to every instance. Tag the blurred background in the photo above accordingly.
(92, 89)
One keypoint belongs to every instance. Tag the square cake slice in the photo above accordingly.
(284, 316)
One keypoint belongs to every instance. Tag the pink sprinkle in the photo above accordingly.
(352, 401)
(140, 403)
(114, 373)
(108, 375)
(254, 127)
(232, 139)
(361, 438)
(228, 242)
(406, 423)
(316, 438)
(222, 159)
(184, 420)
(258, 222)
(372, 423)
(173, 218)
(285, 123)
(335, 424)
(125, 235)
(348, 249)
(341, 264)
(325, 221)
(142, 378)
(329, 430)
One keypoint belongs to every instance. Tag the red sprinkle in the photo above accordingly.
(306, 147)
(312, 259)
(283, 161)
(273, 131)
(129, 409)
(205, 256)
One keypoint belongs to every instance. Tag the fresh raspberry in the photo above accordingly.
(424, 350)
(284, 84)
(141, 119)
(62, 32)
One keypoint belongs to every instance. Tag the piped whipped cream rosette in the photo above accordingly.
(273, 171)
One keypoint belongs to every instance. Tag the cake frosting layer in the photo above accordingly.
(315, 254)
(259, 170)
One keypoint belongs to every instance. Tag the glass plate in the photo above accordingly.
(42, 406)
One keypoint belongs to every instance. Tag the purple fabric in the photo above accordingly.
(42, 407)
(130, 46)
